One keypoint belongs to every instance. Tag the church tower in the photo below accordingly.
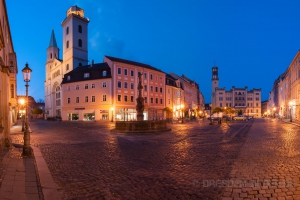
(215, 84)
(75, 38)
(52, 50)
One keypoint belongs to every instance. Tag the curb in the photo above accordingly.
(49, 188)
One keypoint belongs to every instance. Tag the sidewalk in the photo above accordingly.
(295, 122)
(25, 177)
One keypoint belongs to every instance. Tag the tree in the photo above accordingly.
(229, 111)
(240, 112)
(217, 110)
(37, 111)
(168, 110)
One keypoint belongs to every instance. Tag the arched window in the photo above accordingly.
(67, 67)
(79, 28)
(57, 95)
(67, 31)
(80, 43)
(67, 44)
(51, 55)
(12, 91)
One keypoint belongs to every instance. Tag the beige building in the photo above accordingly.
(248, 102)
(191, 95)
(174, 97)
(284, 98)
(86, 93)
(8, 84)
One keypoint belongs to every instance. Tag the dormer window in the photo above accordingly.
(86, 75)
(68, 77)
(104, 73)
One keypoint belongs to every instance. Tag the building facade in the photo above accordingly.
(8, 83)
(75, 54)
(86, 93)
(191, 95)
(247, 102)
(124, 89)
(284, 97)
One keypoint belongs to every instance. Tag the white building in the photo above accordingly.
(242, 100)
(75, 53)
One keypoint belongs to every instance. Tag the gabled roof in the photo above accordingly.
(129, 62)
(95, 71)
(52, 40)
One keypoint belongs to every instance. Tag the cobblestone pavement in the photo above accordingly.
(257, 159)
(268, 165)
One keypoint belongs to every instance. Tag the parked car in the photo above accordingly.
(243, 118)
(249, 117)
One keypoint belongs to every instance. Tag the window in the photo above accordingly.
(151, 100)
(69, 100)
(104, 73)
(12, 91)
(125, 98)
(104, 84)
(67, 67)
(151, 77)
(119, 97)
(168, 91)
(145, 99)
(145, 75)
(67, 31)
(119, 70)
(131, 98)
(77, 99)
(256, 104)
(125, 72)
(145, 87)
(151, 88)
(119, 84)
(86, 99)
(220, 104)
(161, 101)
(104, 97)
(93, 85)
(77, 87)
(156, 100)
(169, 101)
(67, 45)
(86, 75)
(51, 55)
(86, 86)
(93, 99)
(131, 73)
(80, 43)
(131, 86)
(69, 88)
(79, 28)
(220, 98)
(125, 85)
(156, 89)
(68, 77)
(257, 99)
(160, 90)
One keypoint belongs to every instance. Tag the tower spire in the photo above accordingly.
(52, 40)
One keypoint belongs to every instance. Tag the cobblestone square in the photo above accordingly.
(241, 160)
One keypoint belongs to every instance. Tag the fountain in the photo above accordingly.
(141, 125)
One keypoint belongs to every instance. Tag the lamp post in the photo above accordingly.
(112, 114)
(22, 102)
(290, 104)
(26, 148)
(182, 106)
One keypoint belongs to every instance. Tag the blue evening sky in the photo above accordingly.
(251, 41)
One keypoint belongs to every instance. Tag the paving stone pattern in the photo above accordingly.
(268, 166)
(87, 161)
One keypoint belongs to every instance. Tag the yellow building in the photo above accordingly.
(8, 84)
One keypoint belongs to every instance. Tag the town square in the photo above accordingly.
(149, 100)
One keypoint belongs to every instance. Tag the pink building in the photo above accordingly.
(124, 89)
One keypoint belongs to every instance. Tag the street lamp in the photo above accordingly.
(112, 114)
(182, 106)
(26, 148)
(22, 102)
(290, 104)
